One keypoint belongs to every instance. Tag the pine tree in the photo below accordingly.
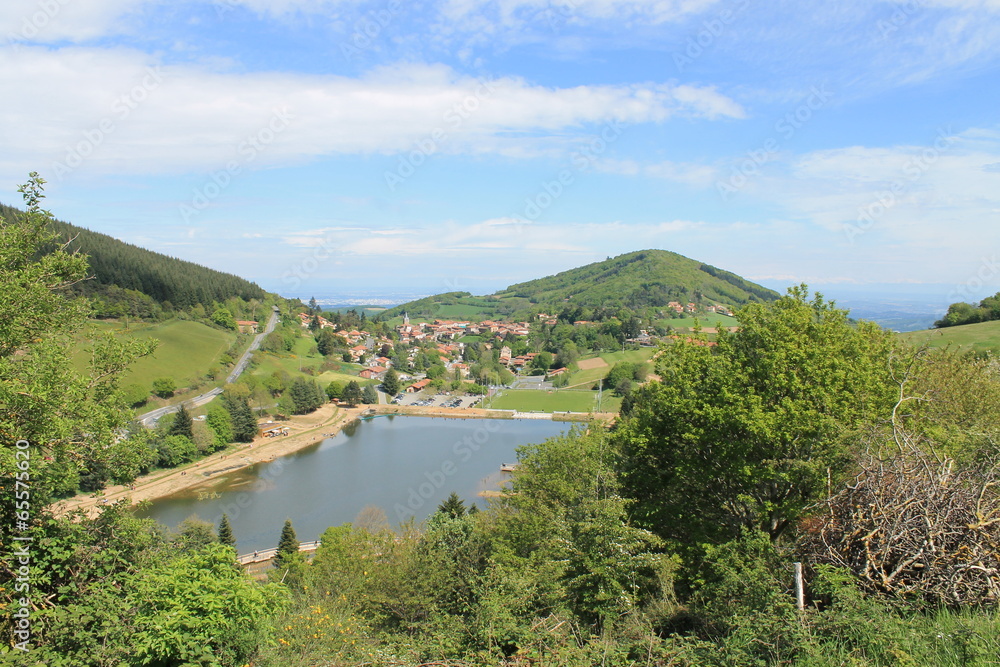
(369, 395)
(391, 382)
(453, 506)
(288, 546)
(226, 533)
(182, 424)
(244, 423)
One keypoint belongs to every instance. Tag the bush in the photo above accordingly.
(164, 387)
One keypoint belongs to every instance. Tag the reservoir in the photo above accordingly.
(406, 466)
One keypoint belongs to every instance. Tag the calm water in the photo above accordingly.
(404, 465)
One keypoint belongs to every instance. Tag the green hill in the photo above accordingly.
(980, 338)
(637, 280)
(117, 266)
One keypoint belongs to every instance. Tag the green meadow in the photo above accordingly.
(187, 350)
(981, 337)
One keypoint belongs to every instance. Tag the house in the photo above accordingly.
(247, 326)
(373, 373)
(417, 386)
(557, 372)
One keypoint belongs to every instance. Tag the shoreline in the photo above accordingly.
(305, 431)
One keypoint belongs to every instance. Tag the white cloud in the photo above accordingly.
(935, 198)
(49, 21)
(117, 111)
(656, 11)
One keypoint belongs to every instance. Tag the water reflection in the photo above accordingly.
(404, 465)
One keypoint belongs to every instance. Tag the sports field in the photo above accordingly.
(565, 400)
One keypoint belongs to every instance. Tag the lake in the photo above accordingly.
(404, 465)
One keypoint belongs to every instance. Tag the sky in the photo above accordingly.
(356, 147)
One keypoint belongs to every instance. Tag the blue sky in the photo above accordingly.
(365, 147)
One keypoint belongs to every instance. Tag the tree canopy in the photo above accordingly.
(748, 433)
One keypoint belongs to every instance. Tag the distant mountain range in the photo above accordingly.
(636, 280)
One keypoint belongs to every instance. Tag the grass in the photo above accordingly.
(305, 355)
(186, 352)
(710, 320)
(460, 311)
(592, 375)
(981, 337)
(528, 400)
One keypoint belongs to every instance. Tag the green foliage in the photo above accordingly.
(390, 383)
(647, 278)
(222, 317)
(73, 421)
(135, 395)
(225, 534)
(352, 393)
(452, 506)
(221, 424)
(960, 313)
(173, 450)
(165, 279)
(747, 434)
(335, 390)
(306, 396)
(288, 546)
(369, 395)
(164, 387)
(182, 424)
(244, 423)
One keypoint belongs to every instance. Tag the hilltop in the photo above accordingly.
(636, 280)
(122, 271)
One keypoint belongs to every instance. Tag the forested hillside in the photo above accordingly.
(646, 280)
(117, 267)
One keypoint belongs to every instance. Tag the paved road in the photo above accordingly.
(149, 418)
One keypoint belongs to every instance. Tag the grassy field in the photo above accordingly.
(305, 355)
(594, 374)
(982, 337)
(186, 352)
(710, 320)
(527, 400)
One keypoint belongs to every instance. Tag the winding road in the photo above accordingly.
(149, 419)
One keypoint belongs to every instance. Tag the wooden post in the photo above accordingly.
(800, 592)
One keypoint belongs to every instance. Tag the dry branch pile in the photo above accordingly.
(918, 525)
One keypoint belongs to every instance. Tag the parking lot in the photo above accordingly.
(441, 400)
